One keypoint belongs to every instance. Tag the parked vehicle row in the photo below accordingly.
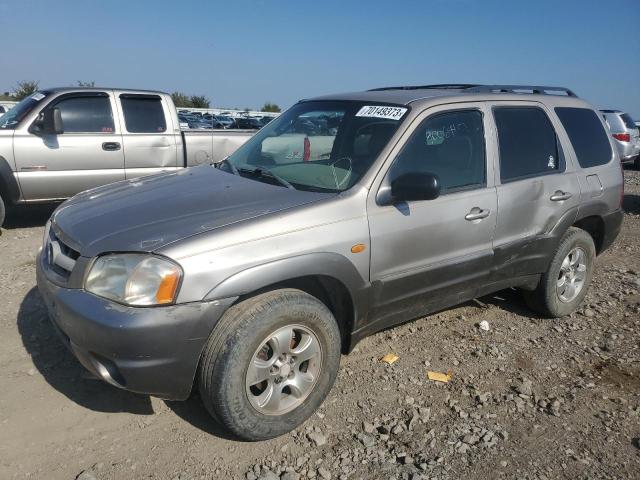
(207, 121)
(61, 141)
(346, 215)
(625, 134)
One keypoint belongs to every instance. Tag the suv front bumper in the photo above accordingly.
(152, 350)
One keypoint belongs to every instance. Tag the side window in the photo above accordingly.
(143, 113)
(527, 141)
(86, 114)
(587, 135)
(449, 145)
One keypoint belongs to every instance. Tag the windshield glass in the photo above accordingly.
(628, 121)
(13, 117)
(322, 146)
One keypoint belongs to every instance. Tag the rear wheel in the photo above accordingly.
(270, 363)
(636, 163)
(565, 283)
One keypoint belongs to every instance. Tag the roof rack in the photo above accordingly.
(537, 89)
(475, 88)
(439, 86)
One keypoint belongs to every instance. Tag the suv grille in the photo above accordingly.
(60, 257)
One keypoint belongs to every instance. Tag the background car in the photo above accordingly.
(248, 123)
(626, 135)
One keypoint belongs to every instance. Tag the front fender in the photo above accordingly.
(9, 188)
(314, 264)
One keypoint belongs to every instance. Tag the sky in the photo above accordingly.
(242, 53)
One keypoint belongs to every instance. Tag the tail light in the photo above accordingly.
(307, 149)
(623, 137)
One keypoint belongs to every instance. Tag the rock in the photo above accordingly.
(289, 476)
(366, 440)
(317, 438)
(484, 325)
(268, 475)
(588, 313)
(368, 427)
(86, 475)
(525, 388)
(470, 439)
(324, 473)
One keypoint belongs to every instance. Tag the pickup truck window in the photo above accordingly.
(450, 145)
(86, 114)
(143, 113)
(11, 119)
(319, 145)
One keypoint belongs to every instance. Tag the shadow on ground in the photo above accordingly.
(194, 412)
(26, 216)
(63, 372)
(631, 204)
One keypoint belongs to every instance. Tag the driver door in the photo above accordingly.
(429, 254)
(88, 154)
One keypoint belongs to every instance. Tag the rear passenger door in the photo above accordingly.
(537, 188)
(87, 154)
(433, 253)
(148, 133)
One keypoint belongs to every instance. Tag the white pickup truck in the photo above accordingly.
(61, 141)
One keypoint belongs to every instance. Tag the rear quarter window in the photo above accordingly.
(587, 135)
(143, 113)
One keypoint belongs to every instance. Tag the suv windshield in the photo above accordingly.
(321, 146)
(13, 117)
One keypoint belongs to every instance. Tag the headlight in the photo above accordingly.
(134, 279)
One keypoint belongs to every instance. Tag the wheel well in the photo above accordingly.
(328, 290)
(594, 226)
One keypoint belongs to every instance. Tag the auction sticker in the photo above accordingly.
(380, 111)
(37, 96)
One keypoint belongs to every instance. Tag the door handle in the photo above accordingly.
(477, 213)
(559, 196)
(111, 146)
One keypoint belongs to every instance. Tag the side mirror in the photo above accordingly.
(415, 186)
(49, 122)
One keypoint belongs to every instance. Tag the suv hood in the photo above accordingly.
(148, 213)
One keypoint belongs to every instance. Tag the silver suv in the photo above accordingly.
(346, 215)
(625, 134)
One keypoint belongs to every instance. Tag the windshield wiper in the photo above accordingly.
(265, 172)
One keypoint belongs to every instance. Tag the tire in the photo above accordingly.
(547, 299)
(636, 163)
(246, 336)
(3, 212)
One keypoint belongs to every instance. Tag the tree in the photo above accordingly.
(181, 100)
(199, 101)
(270, 107)
(25, 88)
(92, 83)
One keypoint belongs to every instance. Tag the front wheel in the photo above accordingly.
(269, 363)
(2, 212)
(565, 283)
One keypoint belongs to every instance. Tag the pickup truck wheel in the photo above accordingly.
(565, 283)
(3, 212)
(269, 363)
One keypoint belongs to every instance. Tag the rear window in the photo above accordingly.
(143, 113)
(587, 135)
(628, 121)
(528, 144)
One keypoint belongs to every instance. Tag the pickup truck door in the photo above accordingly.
(148, 133)
(429, 254)
(88, 154)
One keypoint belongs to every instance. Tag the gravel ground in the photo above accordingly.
(529, 397)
